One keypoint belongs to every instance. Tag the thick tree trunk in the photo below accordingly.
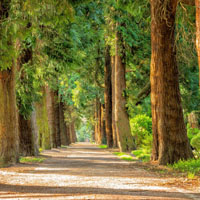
(52, 116)
(170, 142)
(42, 123)
(9, 138)
(197, 2)
(125, 139)
(26, 137)
(35, 132)
(65, 140)
(108, 98)
(114, 132)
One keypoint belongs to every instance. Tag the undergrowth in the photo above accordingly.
(103, 146)
(124, 156)
(191, 166)
(31, 159)
(142, 154)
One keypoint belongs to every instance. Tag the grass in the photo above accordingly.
(31, 159)
(124, 156)
(142, 154)
(103, 146)
(191, 166)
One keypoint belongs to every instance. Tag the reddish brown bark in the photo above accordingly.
(9, 138)
(125, 139)
(170, 142)
(26, 145)
(197, 2)
(53, 117)
(42, 122)
(65, 139)
(114, 133)
(108, 98)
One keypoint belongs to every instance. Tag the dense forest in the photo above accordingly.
(117, 72)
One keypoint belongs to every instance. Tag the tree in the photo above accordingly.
(8, 116)
(108, 97)
(125, 139)
(170, 142)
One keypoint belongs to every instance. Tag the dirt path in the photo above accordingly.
(84, 171)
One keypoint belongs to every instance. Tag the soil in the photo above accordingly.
(83, 171)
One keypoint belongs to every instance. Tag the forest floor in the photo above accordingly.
(83, 171)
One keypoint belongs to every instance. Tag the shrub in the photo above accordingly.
(191, 132)
(195, 142)
(141, 128)
(189, 166)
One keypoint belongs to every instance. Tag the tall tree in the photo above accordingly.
(197, 2)
(125, 139)
(8, 116)
(170, 142)
(108, 97)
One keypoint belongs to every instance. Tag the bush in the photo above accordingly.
(142, 154)
(189, 166)
(195, 142)
(191, 132)
(141, 129)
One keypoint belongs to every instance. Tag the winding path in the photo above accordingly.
(83, 171)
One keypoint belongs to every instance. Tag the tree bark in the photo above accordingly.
(125, 139)
(103, 126)
(53, 117)
(108, 98)
(9, 138)
(35, 132)
(26, 137)
(42, 122)
(65, 140)
(170, 142)
(114, 132)
(197, 2)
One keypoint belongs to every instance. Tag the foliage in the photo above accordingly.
(31, 159)
(124, 156)
(191, 132)
(142, 154)
(189, 166)
(141, 128)
(103, 146)
(195, 142)
(84, 133)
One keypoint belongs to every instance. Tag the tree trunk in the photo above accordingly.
(125, 139)
(170, 142)
(52, 116)
(99, 123)
(197, 2)
(114, 132)
(56, 119)
(26, 137)
(42, 123)
(35, 132)
(9, 138)
(65, 140)
(108, 98)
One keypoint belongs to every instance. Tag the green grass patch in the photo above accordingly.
(103, 146)
(63, 146)
(31, 159)
(124, 156)
(142, 154)
(191, 166)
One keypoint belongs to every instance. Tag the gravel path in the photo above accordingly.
(84, 171)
